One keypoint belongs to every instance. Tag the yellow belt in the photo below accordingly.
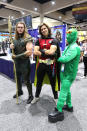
(47, 61)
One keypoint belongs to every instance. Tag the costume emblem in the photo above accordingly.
(50, 41)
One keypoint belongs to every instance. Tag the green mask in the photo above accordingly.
(71, 36)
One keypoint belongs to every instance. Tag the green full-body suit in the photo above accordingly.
(69, 66)
(22, 64)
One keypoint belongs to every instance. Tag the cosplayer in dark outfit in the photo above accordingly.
(22, 50)
(70, 60)
(45, 48)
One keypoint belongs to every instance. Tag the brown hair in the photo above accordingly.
(49, 30)
(58, 34)
(25, 30)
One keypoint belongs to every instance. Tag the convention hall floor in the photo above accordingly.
(23, 117)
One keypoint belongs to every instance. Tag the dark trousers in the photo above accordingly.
(85, 65)
(23, 75)
(41, 71)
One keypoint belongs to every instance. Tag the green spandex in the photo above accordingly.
(69, 60)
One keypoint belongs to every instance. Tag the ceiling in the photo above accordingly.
(60, 10)
(42, 1)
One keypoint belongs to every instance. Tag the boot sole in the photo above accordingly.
(55, 119)
(67, 109)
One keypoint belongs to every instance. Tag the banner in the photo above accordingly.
(26, 19)
(62, 30)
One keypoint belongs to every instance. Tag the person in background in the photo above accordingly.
(0, 46)
(84, 48)
(46, 48)
(58, 36)
(22, 51)
(69, 60)
(3, 46)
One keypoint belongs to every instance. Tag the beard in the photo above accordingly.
(21, 35)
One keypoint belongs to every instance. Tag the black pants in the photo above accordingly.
(85, 65)
(23, 75)
(41, 71)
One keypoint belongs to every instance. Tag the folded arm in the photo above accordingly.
(27, 53)
(51, 51)
(37, 51)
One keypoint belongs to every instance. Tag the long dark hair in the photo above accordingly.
(58, 34)
(49, 30)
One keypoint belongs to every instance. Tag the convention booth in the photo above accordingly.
(7, 68)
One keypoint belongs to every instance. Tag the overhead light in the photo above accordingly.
(35, 9)
(53, 2)
(12, 17)
(60, 17)
(22, 12)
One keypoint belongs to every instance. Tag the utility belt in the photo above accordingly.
(47, 61)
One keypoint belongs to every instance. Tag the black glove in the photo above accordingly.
(51, 56)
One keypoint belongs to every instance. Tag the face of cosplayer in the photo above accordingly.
(44, 31)
(20, 28)
(71, 36)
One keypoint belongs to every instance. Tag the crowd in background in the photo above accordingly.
(4, 45)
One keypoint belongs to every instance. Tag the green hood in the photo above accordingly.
(71, 36)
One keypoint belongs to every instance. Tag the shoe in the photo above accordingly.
(55, 100)
(34, 100)
(83, 77)
(19, 94)
(67, 108)
(30, 99)
(55, 116)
